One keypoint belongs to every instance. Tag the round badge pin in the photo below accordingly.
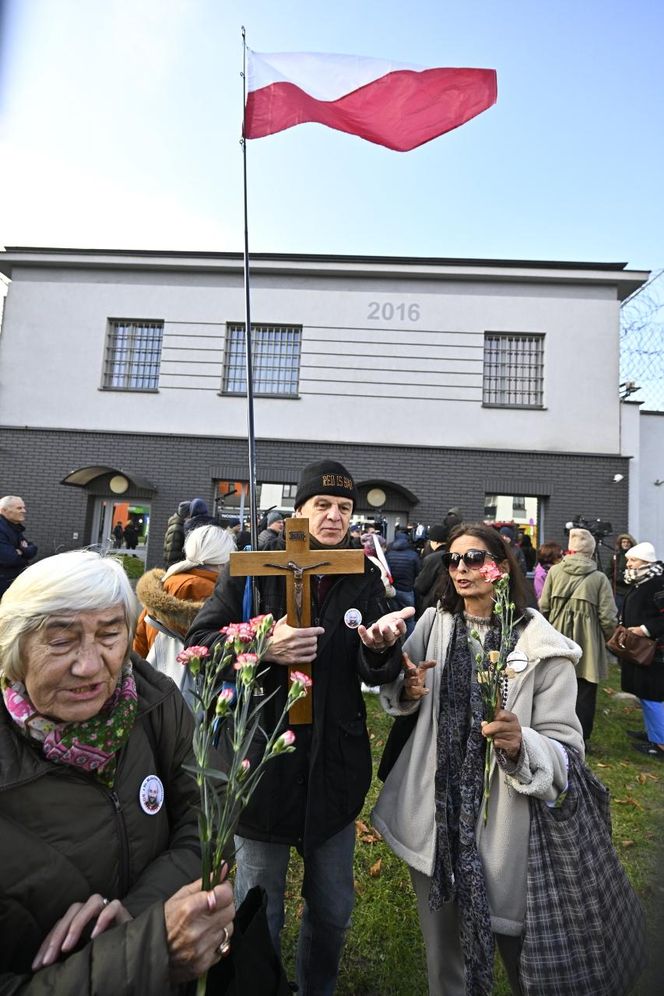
(517, 660)
(352, 618)
(151, 795)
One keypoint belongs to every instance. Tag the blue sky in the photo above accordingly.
(120, 123)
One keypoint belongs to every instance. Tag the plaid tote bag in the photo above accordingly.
(585, 927)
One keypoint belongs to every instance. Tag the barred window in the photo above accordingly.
(133, 355)
(275, 357)
(513, 370)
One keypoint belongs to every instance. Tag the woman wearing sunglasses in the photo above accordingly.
(468, 854)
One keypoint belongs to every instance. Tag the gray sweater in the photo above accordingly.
(543, 696)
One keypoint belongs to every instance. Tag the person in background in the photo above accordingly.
(118, 535)
(100, 889)
(130, 535)
(643, 612)
(577, 600)
(174, 535)
(548, 554)
(16, 551)
(509, 536)
(355, 533)
(615, 570)
(431, 568)
(198, 516)
(405, 564)
(469, 872)
(272, 537)
(528, 551)
(172, 598)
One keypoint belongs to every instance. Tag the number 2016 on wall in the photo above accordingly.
(387, 312)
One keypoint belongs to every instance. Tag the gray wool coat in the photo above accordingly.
(543, 696)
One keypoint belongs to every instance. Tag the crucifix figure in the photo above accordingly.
(298, 563)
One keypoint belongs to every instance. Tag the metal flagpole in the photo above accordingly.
(247, 317)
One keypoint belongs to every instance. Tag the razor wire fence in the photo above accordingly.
(642, 345)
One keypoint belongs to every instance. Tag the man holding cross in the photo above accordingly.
(310, 798)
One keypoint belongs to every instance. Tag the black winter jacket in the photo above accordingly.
(13, 562)
(643, 606)
(404, 563)
(305, 797)
(174, 540)
(66, 836)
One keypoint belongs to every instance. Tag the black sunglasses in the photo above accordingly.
(471, 558)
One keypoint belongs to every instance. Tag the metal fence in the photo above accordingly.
(642, 345)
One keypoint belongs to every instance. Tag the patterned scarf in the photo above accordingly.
(458, 873)
(637, 575)
(91, 745)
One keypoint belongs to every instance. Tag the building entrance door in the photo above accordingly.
(121, 525)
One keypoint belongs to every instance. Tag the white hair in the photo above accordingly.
(207, 546)
(78, 581)
(8, 500)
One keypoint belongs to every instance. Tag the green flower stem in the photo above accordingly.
(487, 777)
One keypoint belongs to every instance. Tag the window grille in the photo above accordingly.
(275, 355)
(513, 370)
(289, 491)
(133, 355)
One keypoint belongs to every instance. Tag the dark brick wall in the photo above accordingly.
(34, 461)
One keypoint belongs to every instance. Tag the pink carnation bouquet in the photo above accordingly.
(225, 793)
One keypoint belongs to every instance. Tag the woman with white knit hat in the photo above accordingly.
(643, 612)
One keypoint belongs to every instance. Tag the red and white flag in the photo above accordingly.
(389, 103)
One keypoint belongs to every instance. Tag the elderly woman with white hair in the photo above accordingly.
(173, 598)
(98, 890)
(643, 612)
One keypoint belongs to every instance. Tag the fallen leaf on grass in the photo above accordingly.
(598, 764)
(628, 801)
(371, 838)
(628, 843)
(361, 827)
(609, 691)
(374, 871)
(358, 887)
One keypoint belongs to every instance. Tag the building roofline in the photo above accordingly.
(297, 257)
(606, 274)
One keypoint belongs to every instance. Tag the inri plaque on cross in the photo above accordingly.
(297, 563)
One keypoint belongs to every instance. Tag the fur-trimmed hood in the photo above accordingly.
(177, 602)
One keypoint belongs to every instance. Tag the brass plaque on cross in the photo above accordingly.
(297, 563)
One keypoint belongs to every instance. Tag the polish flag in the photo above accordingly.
(389, 103)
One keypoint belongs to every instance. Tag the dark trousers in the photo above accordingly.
(586, 698)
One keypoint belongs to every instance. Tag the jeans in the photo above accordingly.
(328, 895)
(653, 720)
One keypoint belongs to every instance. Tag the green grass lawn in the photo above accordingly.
(384, 954)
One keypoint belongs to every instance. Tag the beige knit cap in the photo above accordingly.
(581, 541)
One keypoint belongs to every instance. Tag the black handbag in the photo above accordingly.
(253, 967)
(585, 927)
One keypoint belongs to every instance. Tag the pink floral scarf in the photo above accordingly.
(91, 745)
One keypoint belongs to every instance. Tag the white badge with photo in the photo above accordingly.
(151, 795)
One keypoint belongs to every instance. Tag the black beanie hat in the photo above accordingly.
(438, 534)
(325, 477)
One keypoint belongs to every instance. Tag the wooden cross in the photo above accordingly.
(297, 563)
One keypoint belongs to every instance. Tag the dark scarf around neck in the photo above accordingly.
(458, 874)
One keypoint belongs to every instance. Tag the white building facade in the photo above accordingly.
(491, 385)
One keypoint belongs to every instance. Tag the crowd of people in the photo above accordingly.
(98, 810)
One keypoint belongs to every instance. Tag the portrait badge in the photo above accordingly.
(151, 795)
(352, 618)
